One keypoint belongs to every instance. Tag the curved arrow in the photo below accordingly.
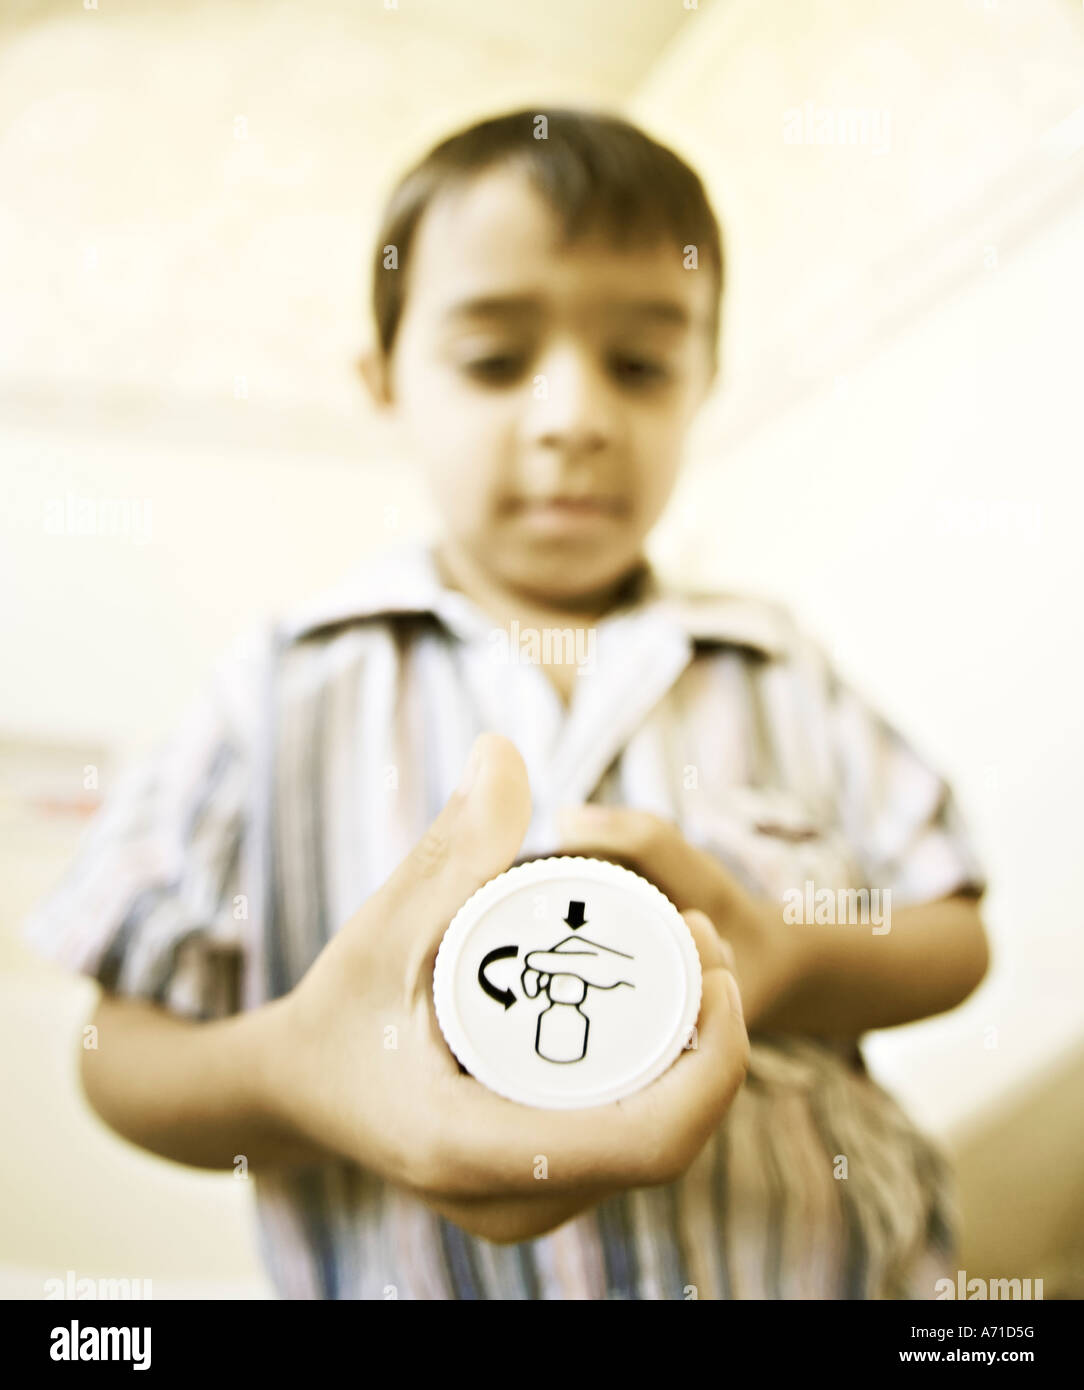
(502, 996)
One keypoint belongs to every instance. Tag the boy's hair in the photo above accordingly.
(599, 172)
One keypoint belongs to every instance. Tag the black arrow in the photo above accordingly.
(575, 918)
(502, 996)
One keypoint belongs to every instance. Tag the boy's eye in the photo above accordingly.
(496, 368)
(636, 371)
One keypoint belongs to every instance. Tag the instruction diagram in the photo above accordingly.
(562, 975)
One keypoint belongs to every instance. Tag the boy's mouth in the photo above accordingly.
(561, 513)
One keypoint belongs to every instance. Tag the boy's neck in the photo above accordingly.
(459, 571)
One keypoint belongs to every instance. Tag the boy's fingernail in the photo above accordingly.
(470, 772)
(735, 995)
(585, 815)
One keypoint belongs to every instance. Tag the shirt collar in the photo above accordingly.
(405, 580)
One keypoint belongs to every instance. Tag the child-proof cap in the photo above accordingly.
(567, 982)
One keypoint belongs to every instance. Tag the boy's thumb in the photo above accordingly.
(476, 836)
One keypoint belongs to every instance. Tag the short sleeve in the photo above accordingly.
(152, 904)
(898, 812)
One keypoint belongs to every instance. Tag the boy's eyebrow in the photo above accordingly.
(491, 306)
(662, 311)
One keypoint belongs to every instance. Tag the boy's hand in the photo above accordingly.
(354, 1059)
(767, 958)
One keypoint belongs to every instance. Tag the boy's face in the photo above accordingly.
(544, 391)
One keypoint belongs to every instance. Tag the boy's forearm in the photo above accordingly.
(849, 980)
(196, 1092)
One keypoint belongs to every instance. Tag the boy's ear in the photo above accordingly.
(373, 370)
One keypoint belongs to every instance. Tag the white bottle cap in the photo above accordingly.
(567, 982)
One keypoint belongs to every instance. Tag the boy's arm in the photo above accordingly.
(844, 980)
(902, 822)
(196, 1092)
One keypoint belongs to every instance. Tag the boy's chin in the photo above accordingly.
(565, 575)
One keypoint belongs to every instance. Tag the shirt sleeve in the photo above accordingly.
(152, 904)
(899, 814)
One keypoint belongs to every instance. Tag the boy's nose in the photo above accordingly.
(572, 406)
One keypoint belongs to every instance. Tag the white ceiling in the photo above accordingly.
(190, 189)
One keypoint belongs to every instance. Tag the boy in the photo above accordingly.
(545, 339)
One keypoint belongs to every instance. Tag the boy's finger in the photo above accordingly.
(696, 1091)
(475, 837)
(710, 946)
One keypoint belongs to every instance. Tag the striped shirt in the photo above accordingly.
(317, 754)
